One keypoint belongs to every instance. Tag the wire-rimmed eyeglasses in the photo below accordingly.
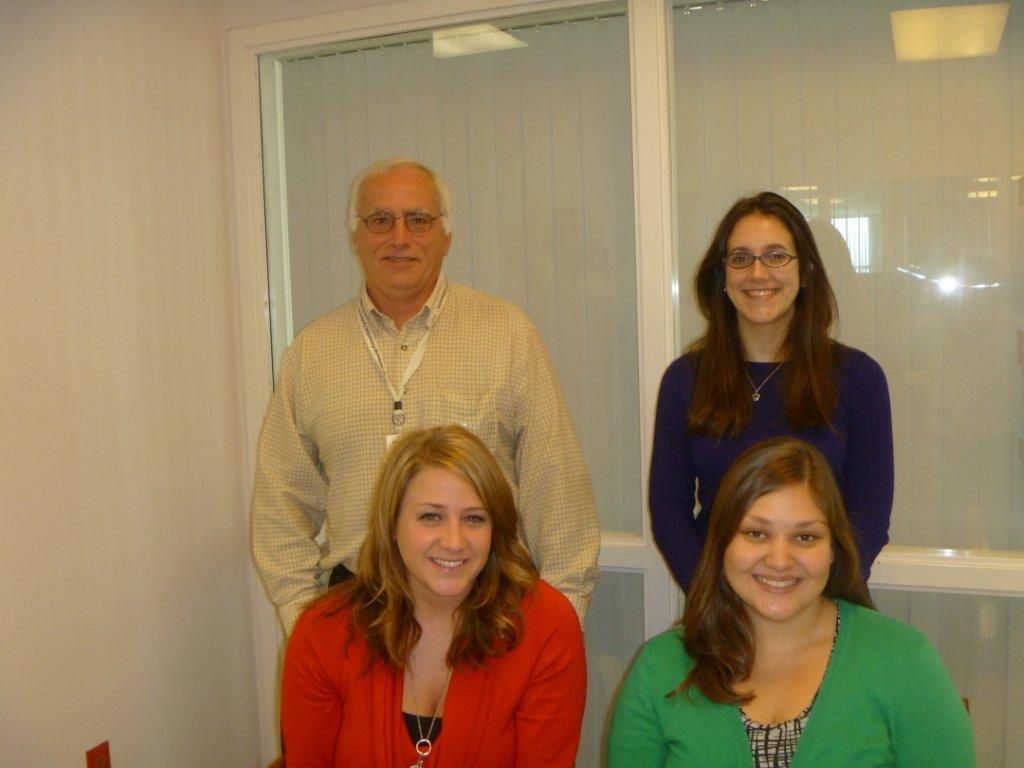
(416, 222)
(770, 259)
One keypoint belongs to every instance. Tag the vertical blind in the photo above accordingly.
(535, 144)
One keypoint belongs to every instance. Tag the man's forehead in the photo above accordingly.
(406, 187)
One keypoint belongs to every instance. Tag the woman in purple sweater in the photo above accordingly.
(766, 366)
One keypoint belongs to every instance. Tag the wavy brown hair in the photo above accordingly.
(378, 597)
(717, 632)
(721, 402)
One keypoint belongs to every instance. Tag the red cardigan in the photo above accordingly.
(523, 710)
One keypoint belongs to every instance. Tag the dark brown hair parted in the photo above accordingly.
(378, 597)
(721, 402)
(718, 635)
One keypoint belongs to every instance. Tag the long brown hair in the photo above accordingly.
(379, 599)
(721, 400)
(718, 635)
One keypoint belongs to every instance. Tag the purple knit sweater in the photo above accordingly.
(859, 451)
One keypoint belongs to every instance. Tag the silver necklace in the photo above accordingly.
(757, 390)
(424, 745)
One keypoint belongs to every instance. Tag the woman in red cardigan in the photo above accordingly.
(445, 650)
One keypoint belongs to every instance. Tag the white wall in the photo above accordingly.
(123, 530)
(249, 13)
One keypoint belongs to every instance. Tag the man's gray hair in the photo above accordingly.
(383, 166)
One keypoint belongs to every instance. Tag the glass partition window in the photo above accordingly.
(614, 632)
(910, 174)
(978, 638)
(534, 140)
(905, 152)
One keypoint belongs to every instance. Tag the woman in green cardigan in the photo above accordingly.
(781, 660)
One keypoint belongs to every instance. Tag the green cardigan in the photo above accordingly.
(886, 700)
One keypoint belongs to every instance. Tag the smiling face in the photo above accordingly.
(764, 298)
(443, 533)
(778, 561)
(400, 268)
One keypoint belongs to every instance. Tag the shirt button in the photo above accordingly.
(405, 347)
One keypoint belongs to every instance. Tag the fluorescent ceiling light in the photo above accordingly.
(951, 32)
(475, 38)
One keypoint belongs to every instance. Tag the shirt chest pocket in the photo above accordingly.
(475, 410)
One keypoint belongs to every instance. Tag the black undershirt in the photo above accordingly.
(413, 727)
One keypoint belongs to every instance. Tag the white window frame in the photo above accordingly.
(649, 63)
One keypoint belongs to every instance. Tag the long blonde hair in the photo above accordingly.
(379, 599)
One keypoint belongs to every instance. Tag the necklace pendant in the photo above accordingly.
(756, 394)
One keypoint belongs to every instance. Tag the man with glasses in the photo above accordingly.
(411, 351)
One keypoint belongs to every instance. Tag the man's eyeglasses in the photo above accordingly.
(771, 259)
(380, 222)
